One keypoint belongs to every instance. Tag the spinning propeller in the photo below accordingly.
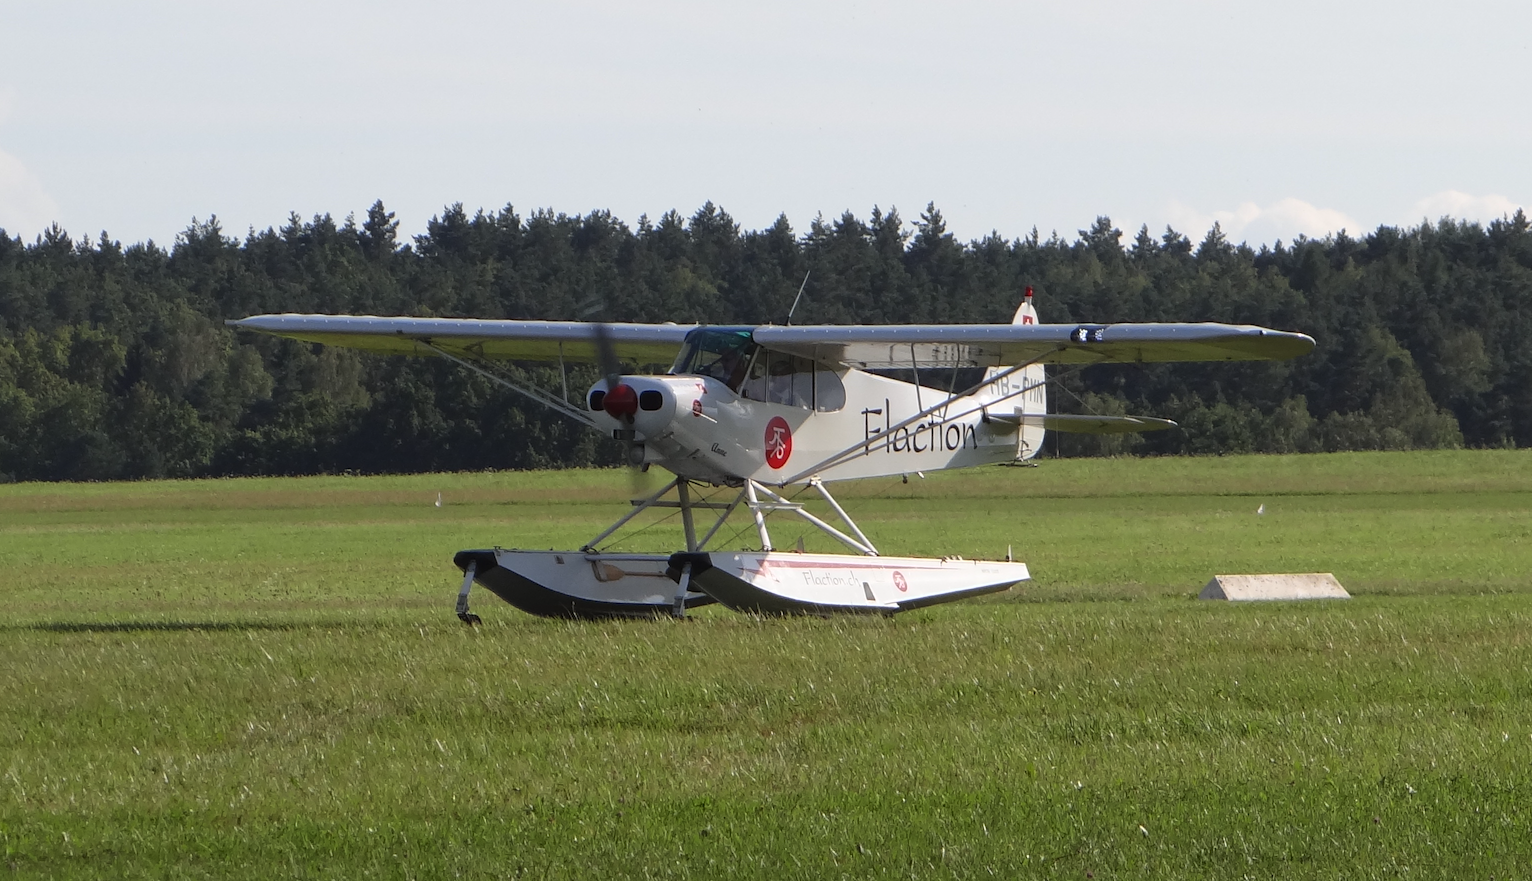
(620, 401)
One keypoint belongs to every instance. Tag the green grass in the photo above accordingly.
(257, 678)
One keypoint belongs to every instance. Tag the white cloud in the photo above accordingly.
(1462, 206)
(25, 207)
(1283, 219)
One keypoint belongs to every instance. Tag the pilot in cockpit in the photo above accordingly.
(722, 354)
(729, 368)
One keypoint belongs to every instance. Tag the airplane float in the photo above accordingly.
(763, 410)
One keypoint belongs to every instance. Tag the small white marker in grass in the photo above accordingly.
(438, 500)
(1258, 511)
(1278, 586)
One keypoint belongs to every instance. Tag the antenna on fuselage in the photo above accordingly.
(794, 308)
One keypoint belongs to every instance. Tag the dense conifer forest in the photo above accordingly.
(115, 362)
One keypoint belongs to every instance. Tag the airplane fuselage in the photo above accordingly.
(700, 428)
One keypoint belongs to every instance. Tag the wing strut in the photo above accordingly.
(535, 394)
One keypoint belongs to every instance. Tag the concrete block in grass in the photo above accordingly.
(1308, 586)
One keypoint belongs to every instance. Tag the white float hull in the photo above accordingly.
(777, 583)
(577, 584)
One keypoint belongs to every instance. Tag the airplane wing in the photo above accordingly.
(573, 341)
(854, 345)
(993, 345)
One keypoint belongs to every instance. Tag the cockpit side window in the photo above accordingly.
(829, 391)
(793, 381)
(779, 378)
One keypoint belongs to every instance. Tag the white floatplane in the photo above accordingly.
(759, 410)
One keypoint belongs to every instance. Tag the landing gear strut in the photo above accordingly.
(463, 614)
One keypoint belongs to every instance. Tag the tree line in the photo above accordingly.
(115, 362)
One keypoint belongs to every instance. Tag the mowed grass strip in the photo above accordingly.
(203, 689)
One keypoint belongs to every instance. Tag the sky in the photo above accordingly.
(1272, 119)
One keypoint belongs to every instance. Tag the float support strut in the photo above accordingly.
(685, 583)
(463, 614)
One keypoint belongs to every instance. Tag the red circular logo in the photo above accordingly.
(900, 583)
(779, 442)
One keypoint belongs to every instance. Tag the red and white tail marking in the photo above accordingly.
(1035, 400)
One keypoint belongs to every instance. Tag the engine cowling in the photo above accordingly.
(642, 404)
(691, 425)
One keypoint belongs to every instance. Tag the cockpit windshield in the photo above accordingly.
(731, 356)
(721, 353)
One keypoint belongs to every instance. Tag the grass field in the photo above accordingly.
(264, 678)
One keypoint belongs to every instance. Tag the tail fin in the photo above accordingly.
(1033, 402)
(1026, 313)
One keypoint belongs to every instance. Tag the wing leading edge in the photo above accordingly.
(997, 345)
(573, 341)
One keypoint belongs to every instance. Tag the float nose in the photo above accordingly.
(621, 402)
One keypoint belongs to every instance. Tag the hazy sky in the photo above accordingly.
(1273, 118)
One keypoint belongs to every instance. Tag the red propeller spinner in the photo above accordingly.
(621, 402)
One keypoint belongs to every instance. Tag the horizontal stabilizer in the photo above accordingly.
(1084, 424)
(1073, 424)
